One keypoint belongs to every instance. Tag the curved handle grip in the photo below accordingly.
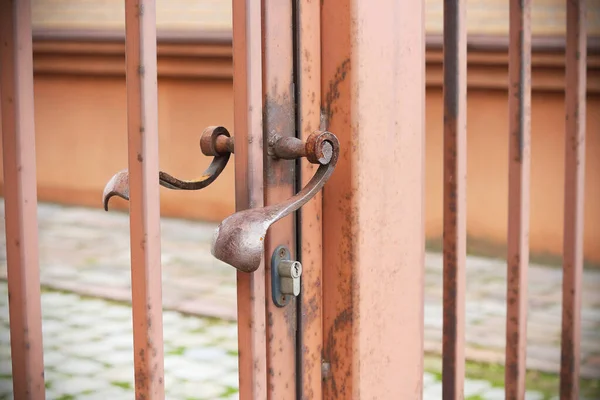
(239, 239)
(215, 141)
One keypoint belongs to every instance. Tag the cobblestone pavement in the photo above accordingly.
(88, 354)
(87, 251)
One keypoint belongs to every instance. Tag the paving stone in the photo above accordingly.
(5, 337)
(53, 359)
(197, 390)
(209, 354)
(118, 373)
(109, 393)
(5, 367)
(117, 313)
(533, 395)
(79, 367)
(190, 371)
(493, 394)
(6, 386)
(116, 358)
(52, 327)
(4, 352)
(70, 336)
(52, 375)
(428, 379)
(189, 339)
(91, 349)
(433, 392)
(229, 380)
(77, 385)
(55, 301)
(475, 387)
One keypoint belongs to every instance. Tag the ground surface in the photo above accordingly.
(88, 341)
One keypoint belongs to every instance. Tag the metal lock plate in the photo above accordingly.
(285, 276)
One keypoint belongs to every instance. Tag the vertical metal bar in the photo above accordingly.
(248, 128)
(455, 182)
(575, 87)
(142, 131)
(519, 153)
(20, 193)
(310, 321)
(374, 100)
(279, 119)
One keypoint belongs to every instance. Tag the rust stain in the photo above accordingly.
(333, 92)
(338, 345)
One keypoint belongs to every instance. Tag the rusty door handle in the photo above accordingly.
(239, 239)
(215, 141)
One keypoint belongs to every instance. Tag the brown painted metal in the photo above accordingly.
(248, 112)
(455, 202)
(576, 58)
(215, 141)
(240, 239)
(519, 153)
(279, 119)
(20, 199)
(373, 206)
(142, 131)
(310, 216)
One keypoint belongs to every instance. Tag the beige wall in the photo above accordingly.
(487, 169)
(82, 140)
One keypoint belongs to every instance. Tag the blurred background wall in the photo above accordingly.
(79, 63)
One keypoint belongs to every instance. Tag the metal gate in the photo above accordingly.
(329, 165)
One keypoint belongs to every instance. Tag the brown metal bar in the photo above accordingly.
(248, 111)
(310, 320)
(576, 59)
(519, 154)
(455, 211)
(142, 131)
(373, 96)
(279, 119)
(20, 199)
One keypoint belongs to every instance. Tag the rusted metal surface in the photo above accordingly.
(576, 58)
(142, 131)
(279, 119)
(519, 153)
(308, 111)
(215, 141)
(455, 203)
(20, 200)
(290, 148)
(248, 112)
(373, 211)
(240, 239)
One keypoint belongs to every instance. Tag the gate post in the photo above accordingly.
(373, 77)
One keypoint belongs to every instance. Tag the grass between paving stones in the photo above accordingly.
(229, 390)
(122, 384)
(545, 383)
(542, 382)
